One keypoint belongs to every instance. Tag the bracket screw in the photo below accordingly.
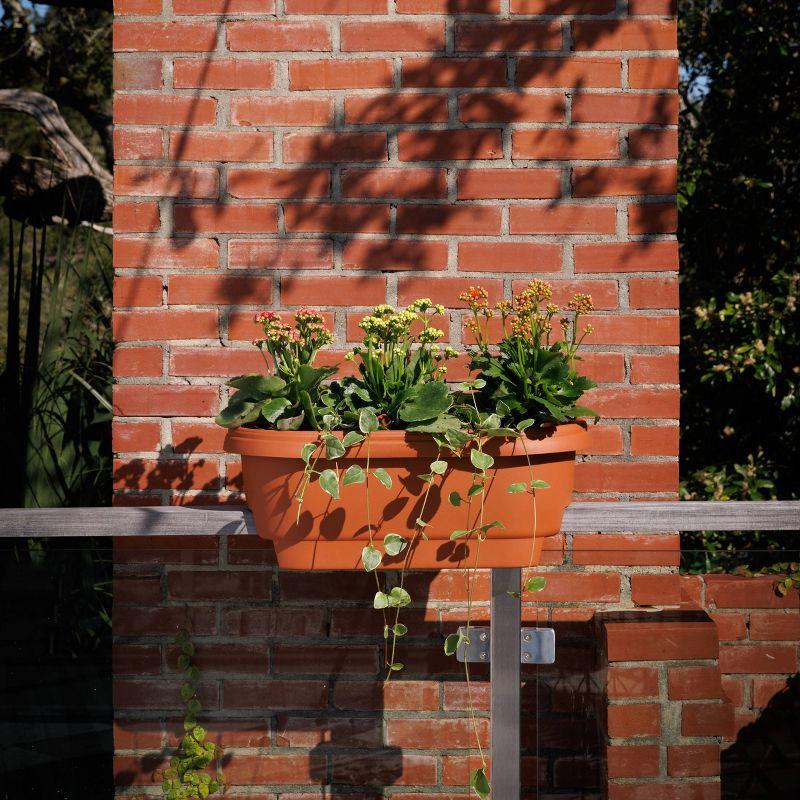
(526, 656)
(483, 637)
(483, 656)
(527, 637)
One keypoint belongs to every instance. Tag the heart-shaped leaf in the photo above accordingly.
(290, 423)
(455, 499)
(451, 643)
(517, 488)
(394, 544)
(460, 534)
(399, 597)
(428, 401)
(371, 558)
(352, 438)
(367, 421)
(540, 485)
(535, 584)
(333, 447)
(383, 476)
(480, 783)
(272, 409)
(381, 600)
(329, 483)
(481, 461)
(308, 451)
(399, 629)
(354, 474)
(438, 467)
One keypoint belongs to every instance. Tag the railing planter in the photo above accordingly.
(330, 534)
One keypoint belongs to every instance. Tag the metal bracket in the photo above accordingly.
(537, 645)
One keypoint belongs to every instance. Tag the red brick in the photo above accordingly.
(340, 74)
(395, 108)
(391, 36)
(275, 694)
(632, 683)
(655, 590)
(142, 109)
(394, 183)
(173, 182)
(490, 184)
(195, 437)
(766, 689)
(310, 147)
(374, 769)
(132, 659)
(730, 626)
(626, 257)
(645, 109)
(165, 401)
(137, 144)
(136, 217)
(662, 368)
(564, 145)
(660, 7)
(336, 217)
(733, 689)
(653, 144)
(775, 627)
(652, 218)
(220, 585)
(280, 254)
(569, 73)
(562, 6)
(336, 7)
(228, 73)
(225, 218)
(511, 107)
(297, 768)
(693, 683)
(279, 183)
(629, 549)
(187, 37)
(396, 696)
(453, 72)
(219, 289)
(424, 734)
(138, 362)
(159, 550)
(278, 36)
(509, 257)
(607, 439)
(131, 326)
(634, 720)
(612, 181)
(653, 292)
(164, 621)
(452, 220)
(223, 6)
(632, 761)
(226, 732)
(138, 291)
(654, 440)
(615, 477)
(216, 146)
(394, 254)
(226, 658)
(214, 361)
(632, 403)
(563, 219)
(356, 660)
(142, 8)
(653, 73)
(443, 290)
(661, 641)
(135, 437)
(590, 587)
(633, 329)
(363, 732)
(175, 474)
(739, 658)
(707, 719)
(283, 622)
(507, 36)
(728, 591)
(452, 145)
(282, 111)
(137, 72)
(299, 291)
(625, 35)
(693, 760)
(448, 6)
(134, 735)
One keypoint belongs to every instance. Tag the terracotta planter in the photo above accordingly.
(331, 533)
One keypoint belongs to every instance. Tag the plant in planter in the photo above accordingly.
(459, 472)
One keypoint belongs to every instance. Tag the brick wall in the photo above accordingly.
(272, 155)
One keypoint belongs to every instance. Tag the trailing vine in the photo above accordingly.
(188, 776)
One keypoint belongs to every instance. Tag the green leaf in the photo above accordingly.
(536, 584)
(428, 402)
(308, 451)
(480, 783)
(455, 499)
(394, 544)
(183, 661)
(290, 423)
(481, 461)
(399, 629)
(460, 534)
(399, 597)
(517, 488)
(489, 525)
(237, 413)
(329, 483)
(309, 377)
(451, 643)
(371, 558)
(187, 690)
(396, 667)
(272, 409)
(420, 522)
(257, 386)
(333, 447)
(354, 474)
(383, 476)
(475, 489)
(385, 631)
(525, 424)
(381, 600)
(367, 421)
(187, 648)
(540, 484)
(438, 467)
(352, 438)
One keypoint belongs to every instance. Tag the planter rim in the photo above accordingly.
(548, 438)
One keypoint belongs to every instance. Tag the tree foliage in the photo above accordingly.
(740, 256)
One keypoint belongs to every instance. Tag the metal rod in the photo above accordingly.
(505, 678)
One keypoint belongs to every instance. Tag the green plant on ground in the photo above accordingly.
(188, 774)
(527, 380)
